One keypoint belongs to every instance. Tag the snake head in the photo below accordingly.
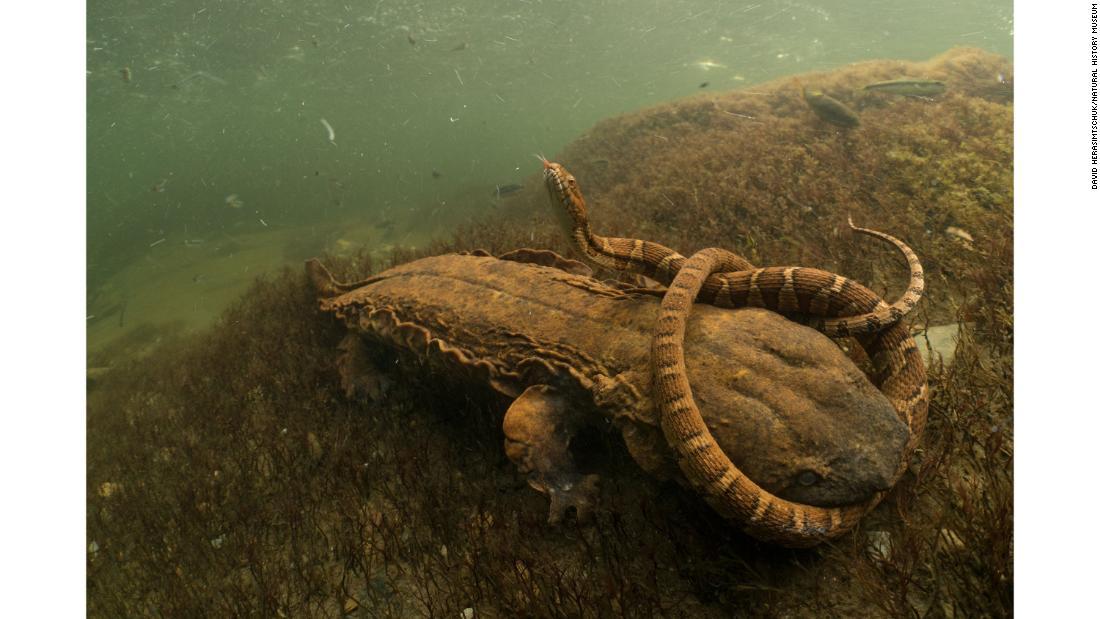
(565, 197)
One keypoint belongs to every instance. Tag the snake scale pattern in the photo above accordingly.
(838, 307)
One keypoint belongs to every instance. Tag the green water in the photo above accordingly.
(432, 104)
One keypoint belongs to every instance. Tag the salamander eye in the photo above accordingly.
(808, 478)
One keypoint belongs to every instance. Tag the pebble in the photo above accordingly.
(467, 613)
(880, 544)
(109, 488)
(941, 340)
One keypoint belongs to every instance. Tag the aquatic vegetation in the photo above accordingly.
(242, 482)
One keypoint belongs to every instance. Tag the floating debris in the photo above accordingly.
(829, 109)
(159, 187)
(909, 87)
(157, 242)
(203, 74)
(708, 64)
(126, 74)
(960, 234)
(232, 201)
(506, 190)
(331, 132)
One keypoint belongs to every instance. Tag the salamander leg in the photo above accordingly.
(359, 374)
(537, 431)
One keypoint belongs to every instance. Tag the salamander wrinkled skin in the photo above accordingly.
(795, 414)
(835, 306)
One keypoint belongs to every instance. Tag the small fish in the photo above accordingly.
(159, 187)
(436, 174)
(704, 84)
(506, 190)
(126, 74)
(909, 87)
(232, 201)
(412, 41)
(460, 47)
(829, 109)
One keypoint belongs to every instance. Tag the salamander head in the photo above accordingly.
(791, 411)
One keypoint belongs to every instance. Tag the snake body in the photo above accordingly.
(717, 276)
(835, 305)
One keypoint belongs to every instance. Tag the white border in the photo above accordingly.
(1056, 237)
(42, 198)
